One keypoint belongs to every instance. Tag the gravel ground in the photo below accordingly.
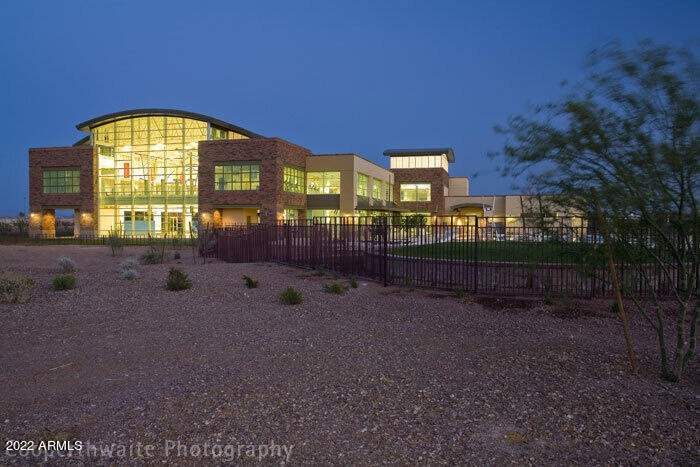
(378, 375)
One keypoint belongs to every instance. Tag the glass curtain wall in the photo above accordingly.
(147, 170)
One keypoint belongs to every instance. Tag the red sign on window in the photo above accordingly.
(126, 170)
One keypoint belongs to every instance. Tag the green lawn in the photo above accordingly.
(545, 252)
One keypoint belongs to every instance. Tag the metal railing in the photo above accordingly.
(563, 256)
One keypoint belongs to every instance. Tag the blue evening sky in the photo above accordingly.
(355, 76)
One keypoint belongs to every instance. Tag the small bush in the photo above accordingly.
(353, 282)
(250, 283)
(336, 276)
(177, 255)
(129, 263)
(291, 296)
(152, 256)
(130, 274)
(63, 282)
(459, 292)
(409, 283)
(65, 265)
(178, 280)
(335, 287)
(320, 271)
(15, 288)
(114, 240)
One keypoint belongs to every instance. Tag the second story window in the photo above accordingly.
(389, 192)
(377, 189)
(61, 180)
(323, 183)
(237, 177)
(415, 192)
(362, 185)
(293, 180)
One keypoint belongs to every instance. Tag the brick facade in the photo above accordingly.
(42, 205)
(438, 179)
(273, 154)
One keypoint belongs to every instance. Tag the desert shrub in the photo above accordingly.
(291, 296)
(320, 271)
(15, 288)
(459, 292)
(130, 274)
(63, 282)
(353, 282)
(335, 287)
(65, 265)
(409, 283)
(114, 240)
(336, 276)
(129, 263)
(250, 283)
(178, 280)
(152, 256)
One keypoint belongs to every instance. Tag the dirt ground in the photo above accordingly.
(376, 375)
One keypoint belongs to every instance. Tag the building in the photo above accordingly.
(164, 172)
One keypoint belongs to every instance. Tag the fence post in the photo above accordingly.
(476, 253)
(385, 231)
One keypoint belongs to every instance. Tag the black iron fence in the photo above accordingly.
(497, 256)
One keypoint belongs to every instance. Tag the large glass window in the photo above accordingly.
(415, 192)
(323, 214)
(237, 177)
(61, 180)
(323, 183)
(377, 189)
(389, 192)
(362, 185)
(293, 180)
(419, 162)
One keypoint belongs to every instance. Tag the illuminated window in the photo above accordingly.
(377, 189)
(419, 162)
(61, 181)
(415, 192)
(236, 177)
(293, 180)
(291, 214)
(362, 185)
(389, 192)
(323, 183)
(216, 133)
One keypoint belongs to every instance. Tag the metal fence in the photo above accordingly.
(513, 257)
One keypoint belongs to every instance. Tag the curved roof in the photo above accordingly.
(422, 152)
(113, 117)
(472, 205)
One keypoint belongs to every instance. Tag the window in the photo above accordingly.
(419, 162)
(377, 189)
(291, 214)
(61, 181)
(389, 192)
(415, 192)
(293, 180)
(216, 133)
(323, 215)
(323, 183)
(362, 182)
(237, 177)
